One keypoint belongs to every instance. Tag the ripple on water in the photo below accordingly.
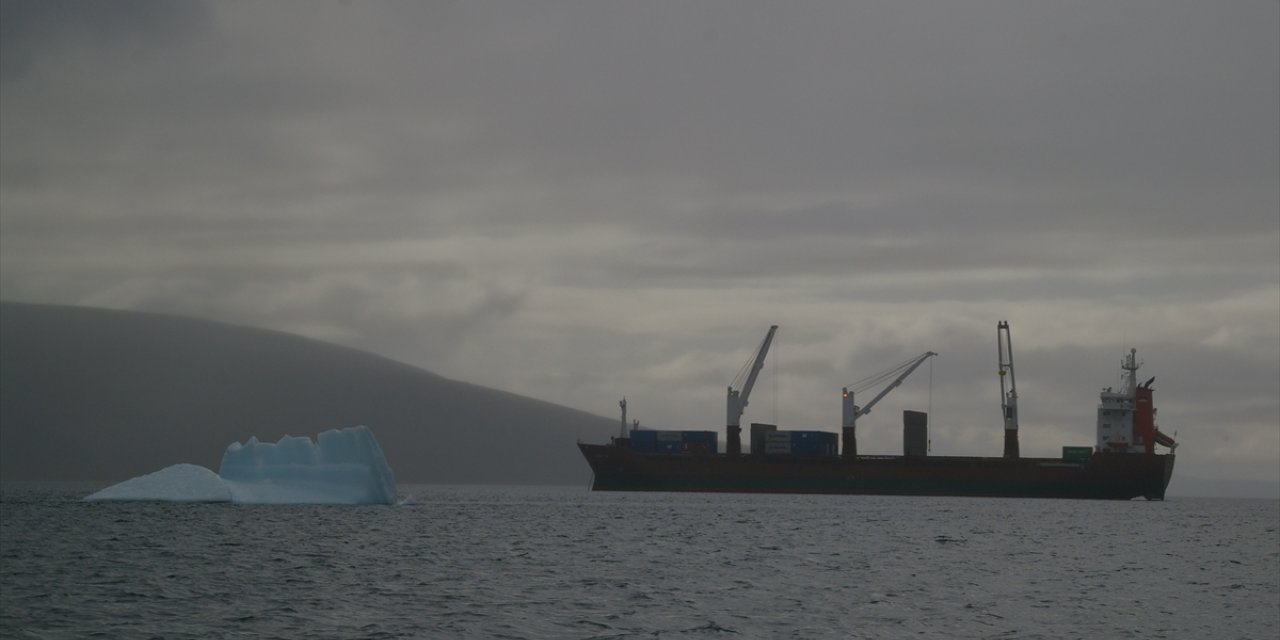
(563, 563)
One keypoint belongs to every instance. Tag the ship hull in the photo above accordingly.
(1111, 476)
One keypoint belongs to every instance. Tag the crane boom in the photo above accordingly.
(851, 411)
(737, 400)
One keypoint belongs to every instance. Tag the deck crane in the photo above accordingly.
(737, 401)
(1009, 399)
(851, 412)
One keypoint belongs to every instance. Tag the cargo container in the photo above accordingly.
(698, 436)
(700, 442)
(1077, 453)
(811, 436)
(807, 443)
(759, 433)
(915, 433)
(653, 441)
(643, 440)
(815, 449)
(814, 443)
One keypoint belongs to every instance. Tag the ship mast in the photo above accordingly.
(1009, 398)
(1130, 365)
(622, 430)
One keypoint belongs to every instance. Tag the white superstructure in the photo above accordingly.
(1127, 416)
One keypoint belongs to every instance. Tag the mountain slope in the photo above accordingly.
(91, 394)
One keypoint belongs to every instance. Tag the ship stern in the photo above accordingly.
(1162, 473)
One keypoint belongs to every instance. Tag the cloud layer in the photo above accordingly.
(576, 201)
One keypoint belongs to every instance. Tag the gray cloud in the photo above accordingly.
(576, 200)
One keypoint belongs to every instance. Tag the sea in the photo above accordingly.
(564, 562)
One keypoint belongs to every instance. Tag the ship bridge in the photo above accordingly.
(1126, 417)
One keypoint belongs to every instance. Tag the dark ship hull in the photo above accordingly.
(1109, 476)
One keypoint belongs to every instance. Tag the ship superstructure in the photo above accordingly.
(1127, 417)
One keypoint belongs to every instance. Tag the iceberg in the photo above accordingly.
(178, 483)
(341, 466)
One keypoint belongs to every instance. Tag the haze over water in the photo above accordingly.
(561, 562)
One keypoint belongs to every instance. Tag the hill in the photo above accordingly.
(92, 394)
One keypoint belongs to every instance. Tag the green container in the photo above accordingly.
(1077, 453)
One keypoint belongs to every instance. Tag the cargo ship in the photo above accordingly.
(1122, 464)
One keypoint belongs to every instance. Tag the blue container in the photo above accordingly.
(811, 436)
(643, 440)
(699, 436)
(655, 441)
(813, 449)
(814, 443)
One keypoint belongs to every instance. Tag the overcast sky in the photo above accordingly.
(580, 200)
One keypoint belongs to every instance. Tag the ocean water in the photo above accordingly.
(555, 562)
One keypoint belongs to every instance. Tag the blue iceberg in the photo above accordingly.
(341, 466)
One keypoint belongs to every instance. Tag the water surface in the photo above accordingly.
(556, 562)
